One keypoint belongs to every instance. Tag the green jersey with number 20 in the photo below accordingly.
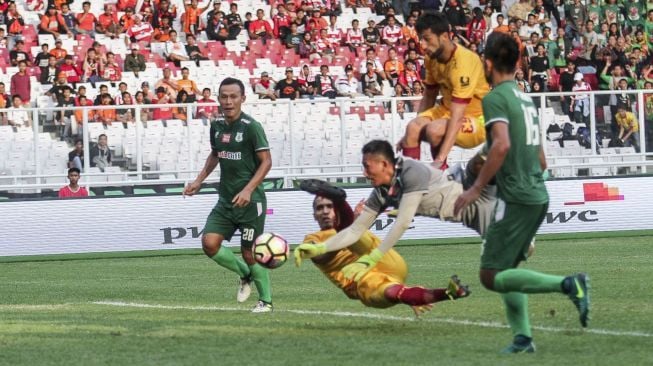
(520, 178)
(236, 145)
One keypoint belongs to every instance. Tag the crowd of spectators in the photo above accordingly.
(567, 45)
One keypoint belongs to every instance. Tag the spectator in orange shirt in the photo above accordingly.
(501, 27)
(260, 28)
(393, 67)
(107, 23)
(86, 20)
(127, 19)
(58, 52)
(408, 31)
(106, 116)
(190, 20)
(52, 23)
(316, 21)
(188, 85)
(82, 101)
(162, 32)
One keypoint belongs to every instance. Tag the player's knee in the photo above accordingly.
(211, 244)
(414, 128)
(487, 279)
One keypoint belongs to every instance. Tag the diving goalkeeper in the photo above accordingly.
(383, 286)
(414, 188)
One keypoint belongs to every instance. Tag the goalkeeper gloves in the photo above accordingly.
(308, 250)
(364, 264)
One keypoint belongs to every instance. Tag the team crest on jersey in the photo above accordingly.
(239, 137)
(464, 81)
(226, 138)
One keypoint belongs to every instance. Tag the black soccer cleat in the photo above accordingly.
(324, 189)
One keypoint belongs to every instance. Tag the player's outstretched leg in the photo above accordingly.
(224, 257)
(531, 282)
(418, 296)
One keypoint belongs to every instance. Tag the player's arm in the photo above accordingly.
(496, 156)
(543, 163)
(210, 164)
(265, 163)
(429, 98)
(453, 126)
(406, 212)
(342, 239)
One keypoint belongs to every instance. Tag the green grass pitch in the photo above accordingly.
(181, 310)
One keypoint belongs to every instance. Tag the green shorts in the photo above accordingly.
(225, 220)
(512, 228)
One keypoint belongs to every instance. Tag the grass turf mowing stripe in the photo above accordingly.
(607, 332)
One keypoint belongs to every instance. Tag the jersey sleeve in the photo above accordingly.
(494, 110)
(258, 138)
(464, 78)
(415, 177)
(375, 202)
(212, 131)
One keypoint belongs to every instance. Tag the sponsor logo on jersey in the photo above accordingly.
(226, 138)
(464, 81)
(239, 137)
(229, 155)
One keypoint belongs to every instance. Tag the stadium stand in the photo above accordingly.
(313, 135)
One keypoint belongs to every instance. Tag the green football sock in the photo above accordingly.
(517, 313)
(527, 281)
(226, 258)
(261, 277)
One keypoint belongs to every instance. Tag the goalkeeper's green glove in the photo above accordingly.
(308, 250)
(364, 264)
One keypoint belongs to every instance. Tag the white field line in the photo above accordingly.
(607, 332)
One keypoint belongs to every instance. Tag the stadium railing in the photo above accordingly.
(308, 138)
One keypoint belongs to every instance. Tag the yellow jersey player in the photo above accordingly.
(382, 287)
(457, 74)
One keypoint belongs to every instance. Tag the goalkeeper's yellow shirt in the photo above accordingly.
(390, 270)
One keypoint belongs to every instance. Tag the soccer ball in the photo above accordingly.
(270, 250)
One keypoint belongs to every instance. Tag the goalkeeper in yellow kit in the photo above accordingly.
(384, 285)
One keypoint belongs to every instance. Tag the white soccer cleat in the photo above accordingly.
(244, 289)
(262, 307)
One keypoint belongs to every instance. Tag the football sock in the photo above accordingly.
(517, 313)
(261, 278)
(411, 152)
(527, 281)
(416, 296)
(226, 258)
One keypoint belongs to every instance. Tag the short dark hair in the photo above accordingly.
(503, 51)
(233, 81)
(184, 69)
(436, 22)
(102, 134)
(380, 147)
(74, 170)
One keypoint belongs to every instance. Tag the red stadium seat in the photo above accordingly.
(334, 110)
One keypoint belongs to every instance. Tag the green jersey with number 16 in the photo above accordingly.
(520, 178)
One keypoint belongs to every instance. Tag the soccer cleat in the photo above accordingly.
(244, 289)
(579, 294)
(516, 348)
(455, 290)
(262, 307)
(322, 188)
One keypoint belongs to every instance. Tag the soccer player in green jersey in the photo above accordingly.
(239, 145)
(516, 159)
